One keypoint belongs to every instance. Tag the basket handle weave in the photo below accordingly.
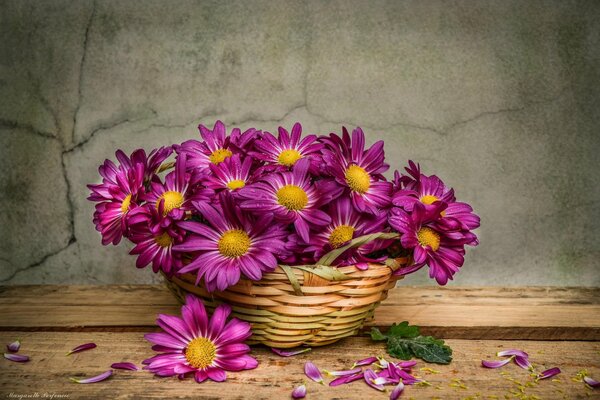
(323, 267)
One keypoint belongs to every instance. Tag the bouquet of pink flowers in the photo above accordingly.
(239, 205)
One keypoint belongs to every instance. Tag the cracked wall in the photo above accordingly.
(500, 99)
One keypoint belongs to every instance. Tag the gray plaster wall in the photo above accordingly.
(499, 98)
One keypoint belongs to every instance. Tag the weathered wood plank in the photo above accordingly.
(468, 313)
(49, 370)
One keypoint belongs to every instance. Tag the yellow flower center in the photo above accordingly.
(292, 197)
(429, 199)
(234, 243)
(358, 179)
(172, 200)
(126, 203)
(429, 237)
(219, 155)
(236, 184)
(289, 157)
(200, 353)
(341, 235)
(163, 240)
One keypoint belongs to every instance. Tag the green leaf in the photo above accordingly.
(377, 335)
(403, 329)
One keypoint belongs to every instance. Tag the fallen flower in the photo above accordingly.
(346, 379)
(313, 372)
(299, 392)
(342, 373)
(82, 347)
(16, 357)
(125, 365)
(370, 377)
(548, 373)
(93, 379)
(365, 361)
(289, 353)
(591, 382)
(495, 363)
(14, 346)
(397, 391)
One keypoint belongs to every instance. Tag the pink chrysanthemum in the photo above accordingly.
(198, 345)
(291, 197)
(230, 243)
(346, 224)
(178, 191)
(286, 149)
(358, 170)
(154, 235)
(231, 175)
(443, 251)
(216, 146)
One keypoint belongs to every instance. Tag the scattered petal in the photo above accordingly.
(82, 347)
(512, 352)
(397, 391)
(523, 362)
(14, 346)
(16, 357)
(365, 361)
(125, 365)
(289, 353)
(382, 362)
(591, 382)
(313, 372)
(548, 373)
(299, 392)
(346, 379)
(370, 378)
(94, 379)
(495, 363)
(406, 364)
(342, 373)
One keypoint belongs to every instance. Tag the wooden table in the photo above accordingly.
(556, 326)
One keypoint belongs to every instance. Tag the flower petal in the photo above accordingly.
(548, 373)
(14, 346)
(16, 357)
(512, 352)
(313, 372)
(496, 363)
(94, 379)
(397, 391)
(217, 374)
(591, 382)
(125, 365)
(346, 379)
(365, 361)
(343, 373)
(289, 353)
(370, 378)
(82, 347)
(299, 392)
(523, 362)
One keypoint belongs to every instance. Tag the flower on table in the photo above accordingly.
(199, 345)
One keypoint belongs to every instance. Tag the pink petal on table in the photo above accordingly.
(365, 361)
(16, 357)
(549, 373)
(313, 372)
(289, 353)
(512, 352)
(382, 362)
(496, 363)
(382, 380)
(94, 379)
(591, 382)
(342, 373)
(342, 380)
(523, 362)
(299, 392)
(397, 391)
(125, 365)
(14, 346)
(82, 347)
(406, 364)
(370, 378)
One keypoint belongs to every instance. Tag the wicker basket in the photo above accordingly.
(291, 307)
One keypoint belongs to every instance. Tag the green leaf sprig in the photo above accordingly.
(405, 342)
